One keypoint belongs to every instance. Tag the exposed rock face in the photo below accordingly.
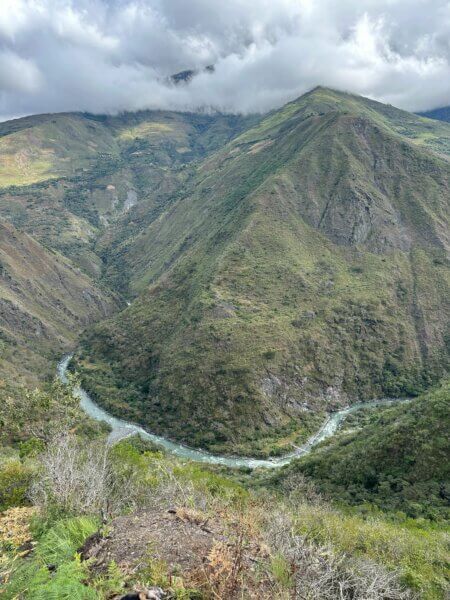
(372, 200)
(131, 200)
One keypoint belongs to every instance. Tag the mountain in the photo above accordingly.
(43, 147)
(300, 267)
(441, 114)
(398, 461)
(184, 77)
(44, 302)
(64, 179)
(235, 278)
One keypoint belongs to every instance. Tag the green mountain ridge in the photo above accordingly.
(85, 170)
(441, 114)
(64, 180)
(236, 278)
(281, 265)
(300, 267)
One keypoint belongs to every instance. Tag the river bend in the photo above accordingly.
(121, 429)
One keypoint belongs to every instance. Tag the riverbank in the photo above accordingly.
(121, 429)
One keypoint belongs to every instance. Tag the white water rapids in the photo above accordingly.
(121, 429)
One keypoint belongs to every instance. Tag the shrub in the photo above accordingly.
(73, 479)
(15, 479)
(77, 478)
(418, 556)
(40, 414)
(315, 572)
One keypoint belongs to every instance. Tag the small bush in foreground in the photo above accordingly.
(15, 479)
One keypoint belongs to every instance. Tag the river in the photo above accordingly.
(121, 429)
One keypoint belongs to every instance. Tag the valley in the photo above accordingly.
(66, 178)
(120, 429)
(263, 293)
(267, 294)
(249, 316)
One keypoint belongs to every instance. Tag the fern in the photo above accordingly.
(33, 580)
(111, 583)
(61, 542)
(66, 584)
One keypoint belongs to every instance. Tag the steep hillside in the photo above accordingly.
(302, 266)
(43, 147)
(398, 462)
(66, 178)
(44, 303)
(189, 532)
(252, 157)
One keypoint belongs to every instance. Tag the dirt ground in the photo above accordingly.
(207, 553)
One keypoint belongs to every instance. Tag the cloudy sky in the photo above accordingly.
(114, 55)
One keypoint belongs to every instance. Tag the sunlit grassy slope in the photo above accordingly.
(302, 266)
(44, 147)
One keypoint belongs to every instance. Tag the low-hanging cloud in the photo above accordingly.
(115, 55)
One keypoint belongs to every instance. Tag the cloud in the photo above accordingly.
(114, 55)
(30, 79)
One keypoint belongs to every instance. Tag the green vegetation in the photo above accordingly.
(65, 179)
(355, 550)
(278, 268)
(66, 578)
(44, 303)
(49, 146)
(398, 462)
(15, 479)
(302, 267)
(71, 483)
(418, 553)
(28, 422)
(44, 147)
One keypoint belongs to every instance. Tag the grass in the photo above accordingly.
(419, 555)
(416, 550)
(146, 129)
(60, 542)
(49, 146)
(22, 170)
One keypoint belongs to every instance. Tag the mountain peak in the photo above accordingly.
(323, 220)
